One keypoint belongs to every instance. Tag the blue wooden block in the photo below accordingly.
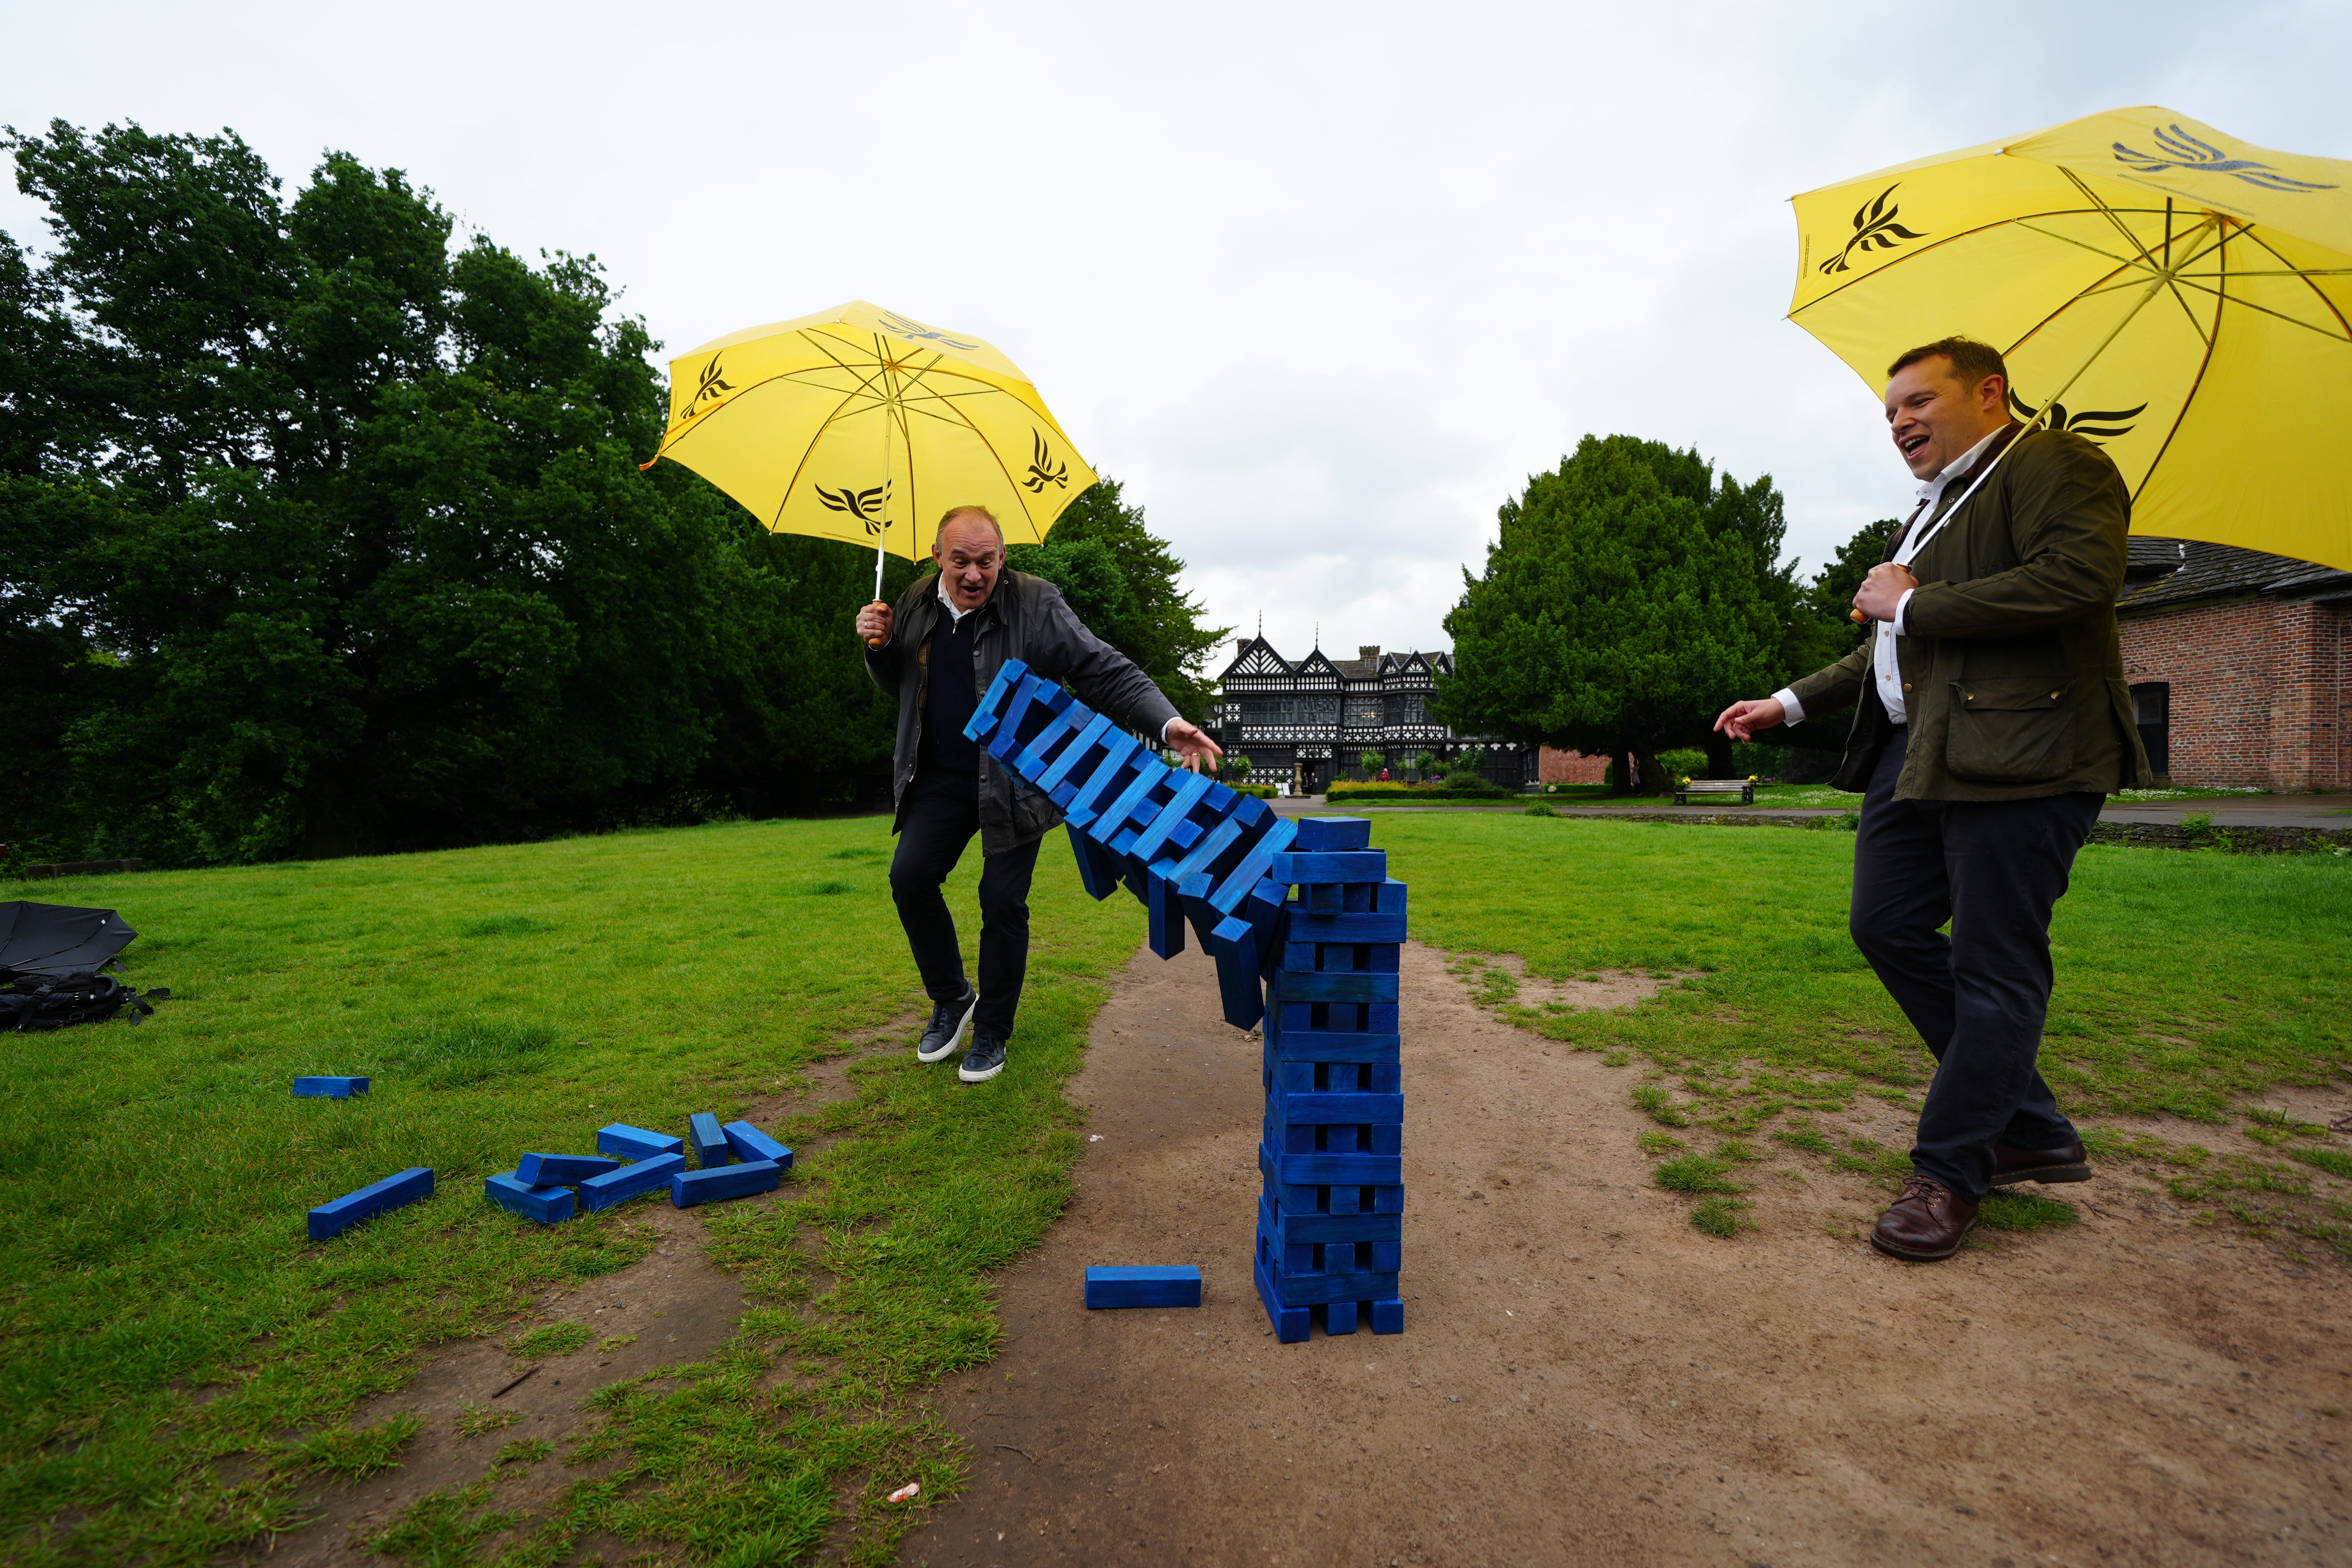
(329, 1088)
(1301, 868)
(1331, 1170)
(600, 1193)
(1388, 1317)
(1288, 985)
(1387, 898)
(1034, 705)
(1122, 761)
(750, 1143)
(1164, 918)
(1235, 946)
(710, 1143)
(635, 1142)
(548, 1206)
(1157, 834)
(688, 1188)
(1009, 674)
(1348, 928)
(1156, 1285)
(1074, 761)
(1315, 1290)
(562, 1170)
(1363, 1109)
(1326, 897)
(1319, 835)
(1150, 773)
(1097, 867)
(1340, 1318)
(1322, 1229)
(1038, 755)
(334, 1218)
(1291, 1324)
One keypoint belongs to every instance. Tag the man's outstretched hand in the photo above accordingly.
(1196, 746)
(1742, 720)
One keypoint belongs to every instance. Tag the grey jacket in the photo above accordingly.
(2012, 672)
(1026, 618)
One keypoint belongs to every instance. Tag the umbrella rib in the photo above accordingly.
(2343, 334)
(2188, 401)
(1939, 244)
(2307, 274)
(2146, 256)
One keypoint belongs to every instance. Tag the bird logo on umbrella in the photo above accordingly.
(866, 506)
(1875, 228)
(1042, 469)
(2185, 152)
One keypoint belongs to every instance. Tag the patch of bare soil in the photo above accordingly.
(1584, 1378)
(1504, 980)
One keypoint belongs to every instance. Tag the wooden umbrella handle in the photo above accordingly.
(877, 642)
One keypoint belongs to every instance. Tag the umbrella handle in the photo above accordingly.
(877, 642)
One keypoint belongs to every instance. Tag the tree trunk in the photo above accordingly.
(1621, 772)
(1653, 776)
(1718, 756)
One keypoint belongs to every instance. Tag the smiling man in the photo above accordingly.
(1991, 717)
(939, 646)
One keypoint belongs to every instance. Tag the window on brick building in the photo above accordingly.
(2152, 711)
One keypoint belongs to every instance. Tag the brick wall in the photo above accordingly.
(1571, 767)
(2261, 692)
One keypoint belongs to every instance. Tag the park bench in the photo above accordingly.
(1744, 788)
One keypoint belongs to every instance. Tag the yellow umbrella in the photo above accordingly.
(2157, 286)
(863, 424)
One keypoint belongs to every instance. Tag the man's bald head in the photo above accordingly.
(969, 551)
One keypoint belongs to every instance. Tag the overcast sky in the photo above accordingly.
(1323, 284)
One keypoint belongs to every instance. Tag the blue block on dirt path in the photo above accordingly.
(562, 1170)
(598, 1194)
(1319, 835)
(710, 1143)
(1388, 1317)
(548, 1206)
(1301, 868)
(1155, 1285)
(1291, 1324)
(751, 1144)
(635, 1142)
(1340, 1318)
(329, 1088)
(392, 1193)
(688, 1188)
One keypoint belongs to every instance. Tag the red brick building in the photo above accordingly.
(2241, 664)
(1571, 767)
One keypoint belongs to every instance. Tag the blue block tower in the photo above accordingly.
(1306, 927)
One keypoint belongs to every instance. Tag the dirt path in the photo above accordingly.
(1584, 1378)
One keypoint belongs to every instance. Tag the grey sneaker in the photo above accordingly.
(985, 1061)
(947, 1022)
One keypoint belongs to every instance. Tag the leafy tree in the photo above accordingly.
(1628, 594)
(1121, 579)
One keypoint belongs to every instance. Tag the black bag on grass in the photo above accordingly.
(54, 1001)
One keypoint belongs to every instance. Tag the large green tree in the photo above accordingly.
(320, 534)
(1630, 594)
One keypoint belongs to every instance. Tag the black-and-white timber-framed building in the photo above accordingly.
(1311, 721)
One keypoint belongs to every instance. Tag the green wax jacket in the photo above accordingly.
(2013, 673)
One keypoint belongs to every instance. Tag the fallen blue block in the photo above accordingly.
(548, 1206)
(688, 1188)
(710, 1143)
(635, 1142)
(598, 1194)
(1319, 834)
(1155, 1285)
(562, 1170)
(392, 1193)
(329, 1088)
(751, 1144)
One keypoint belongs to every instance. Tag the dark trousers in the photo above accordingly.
(1978, 997)
(939, 821)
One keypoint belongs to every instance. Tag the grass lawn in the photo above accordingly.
(180, 1360)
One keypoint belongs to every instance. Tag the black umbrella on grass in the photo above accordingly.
(49, 959)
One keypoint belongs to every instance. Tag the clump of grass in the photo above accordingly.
(2005, 1208)
(355, 1455)
(615, 1341)
(524, 1451)
(1733, 1149)
(2335, 1161)
(1613, 1058)
(475, 1420)
(859, 852)
(1695, 1174)
(1652, 1101)
(1810, 1139)
(550, 1339)
(827, 889)
(1720, 1217)
(1541, 809)
(508, 925)
(475, 1054)
(1654, 1143)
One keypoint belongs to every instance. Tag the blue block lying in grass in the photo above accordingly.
(562, 1170)
(598, 1194)
(329, 1088)
(688, 1188)
(334, 1218)
(549, 1205)
(1322, 835)
(710, 1143)
(635, 1142)
(1157, 1285)
(750, 1143)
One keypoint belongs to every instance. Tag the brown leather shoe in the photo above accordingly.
(2011, 1166)
(1926, 1222)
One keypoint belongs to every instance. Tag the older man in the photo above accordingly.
(938, 648)
(1992, 719)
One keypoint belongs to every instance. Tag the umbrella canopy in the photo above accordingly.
(2157, 286)
(862, 425)
(56, 939)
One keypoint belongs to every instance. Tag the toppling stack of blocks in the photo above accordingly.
(1331, 1219)
(630, 1160)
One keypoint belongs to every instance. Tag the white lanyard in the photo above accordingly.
(1911, 547)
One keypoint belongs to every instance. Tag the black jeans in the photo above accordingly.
(943, 814)
(1978, 997)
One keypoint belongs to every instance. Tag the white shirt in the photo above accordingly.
(1885, 668)
(958, 614)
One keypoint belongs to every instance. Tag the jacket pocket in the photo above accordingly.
(2009, 731)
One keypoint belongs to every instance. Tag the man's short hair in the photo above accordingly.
(954, 512)
(1971, 361)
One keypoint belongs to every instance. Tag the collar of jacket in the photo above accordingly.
(1958, 491)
